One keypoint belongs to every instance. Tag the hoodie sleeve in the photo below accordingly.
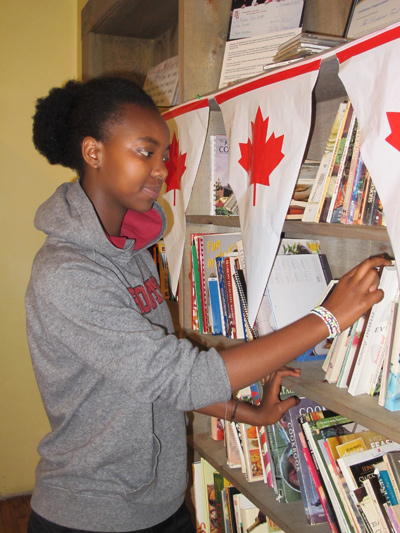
(79, 314)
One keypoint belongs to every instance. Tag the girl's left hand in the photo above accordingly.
(272, 408)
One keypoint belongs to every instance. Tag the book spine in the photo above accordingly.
(352, 177)
(313, 208)
(196, 282)
(215, 306)
(319, 486)
(222, 291)
(231, 303)
(333, 169)
(335, 208)
(241, 288)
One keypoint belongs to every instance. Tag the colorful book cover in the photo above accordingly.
(211, 246)
(312, 504)
(287, 488)
(219, 484)
(317, 427)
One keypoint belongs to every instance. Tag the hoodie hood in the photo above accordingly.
(69, 216)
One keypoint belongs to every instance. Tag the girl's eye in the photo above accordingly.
(166, 158)
(145, 153)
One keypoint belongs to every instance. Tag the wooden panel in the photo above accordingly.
(120, 56)
(145, 19)
(203, 26)
(329, 17)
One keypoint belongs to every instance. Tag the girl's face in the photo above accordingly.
(129, 168)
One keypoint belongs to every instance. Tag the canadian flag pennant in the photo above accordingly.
(267, 121)
(369, 70)
(188, 125)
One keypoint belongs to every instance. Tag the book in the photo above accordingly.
(233, 311)
(394, 462)
(378, 500)
(220, 190)
(351, 181)
(317, 480)
(336, 164)
(302, 190)
(251, 332)
(210, 513)
(358, 466)
(382, 356)
(393, 480)
(233, 459)
(376, 326)
(230, 491)
(357, 198)
(314, 205)
(336, 359)
(252, 517)
(219, 484)
(286, 483)
(215, 311)
(306, 44)
(353, 344)
(216, 428)
(208, 246)
(392, 397)
(317, 427)
(198, 497)
(313, 508)
(381, 471)
(295, 286)
(344, 172)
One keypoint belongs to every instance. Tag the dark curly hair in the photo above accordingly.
(68, 114)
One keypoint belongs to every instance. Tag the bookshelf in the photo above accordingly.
(128, 37)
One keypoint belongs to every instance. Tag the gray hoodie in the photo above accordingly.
(114, 380)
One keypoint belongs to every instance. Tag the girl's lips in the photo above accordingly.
(153, 193)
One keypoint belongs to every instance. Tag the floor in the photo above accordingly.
(14, 514)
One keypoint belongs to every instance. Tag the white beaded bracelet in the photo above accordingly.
(329, 319)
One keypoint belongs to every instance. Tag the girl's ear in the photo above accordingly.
(91, 152)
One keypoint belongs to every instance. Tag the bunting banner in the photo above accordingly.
(267, 121)
(368, 70)
(188, 125)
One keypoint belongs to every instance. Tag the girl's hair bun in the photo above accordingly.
(51, 124)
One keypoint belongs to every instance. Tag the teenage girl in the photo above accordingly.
(114, 379)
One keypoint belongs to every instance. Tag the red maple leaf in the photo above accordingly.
(394, 122)
(262, 156)
(175, 166)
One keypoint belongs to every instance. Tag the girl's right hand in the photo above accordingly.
(356, 292)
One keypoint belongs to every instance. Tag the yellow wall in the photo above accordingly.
(38, 50)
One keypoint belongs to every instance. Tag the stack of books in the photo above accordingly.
(365, 357)
(219, 295)
(343, 191)
(306, 44)
(221, 507)
(345, 474)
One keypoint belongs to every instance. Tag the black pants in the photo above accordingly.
(180, 522)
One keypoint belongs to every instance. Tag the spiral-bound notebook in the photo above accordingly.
(222, 199)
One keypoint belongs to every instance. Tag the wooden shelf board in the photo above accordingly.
(370, 233)
(289, 516)
(363, 408)
(129, 18)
